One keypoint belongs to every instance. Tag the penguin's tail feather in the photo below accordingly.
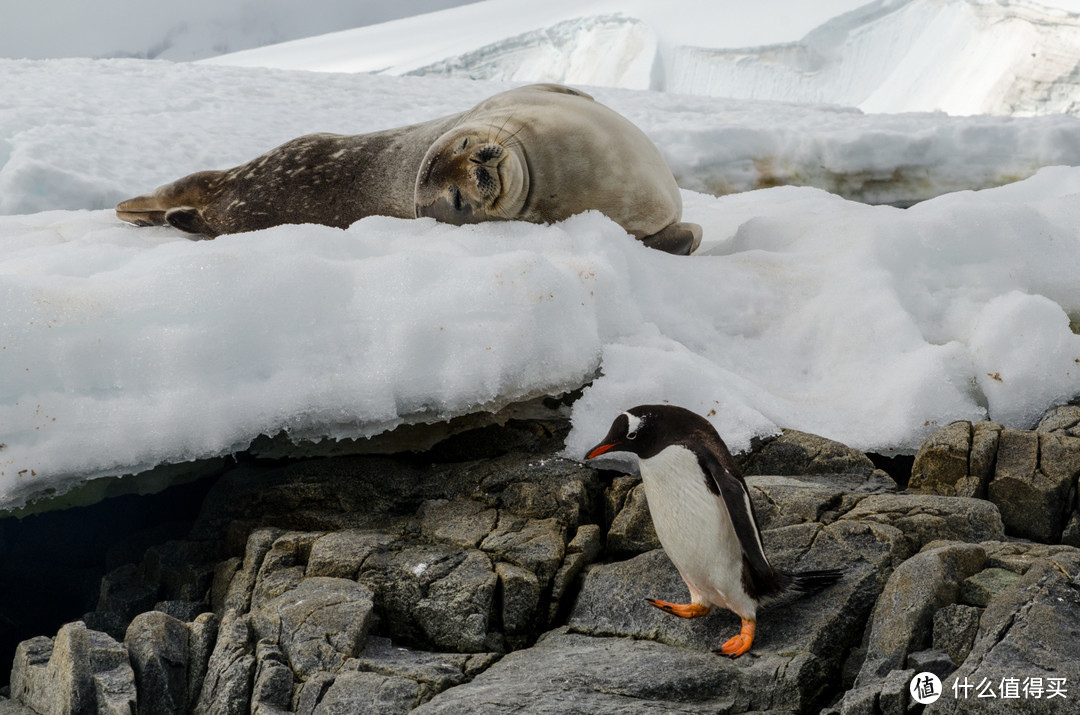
(813, 581)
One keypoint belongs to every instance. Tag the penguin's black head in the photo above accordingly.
(646, 430)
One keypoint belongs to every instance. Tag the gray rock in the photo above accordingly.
(582, 550)
(242, 585)
(434, 597)
(361, 693)
(984, 446)
(1070, 535)
(536, 488)
(1030, 630)
(226, 689)
(1064, 419)
(283, 567)
(957, 460)
(113, 679)
(955, 627)
(979, 589)
(184, 611)
(632, 529)
(79, 671)
(941, 464)
(340, 554)
(433, 672)
(1033, 493)
(461, 522)
(520, 593)
(536, 544)
(202, 634)
(586, 541)
(616, 493)
(798, 453)
(567, 672)
(272, 690)
(902, 617)
(157, 646)
(224, 573)
(937, 662)
(858, 701)
(785, 500)
(318, 625)
(894, 695)
(926, 517)
(311, 692)
(10, 707)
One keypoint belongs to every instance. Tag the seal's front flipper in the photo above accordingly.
(681, 239)
(189, 219)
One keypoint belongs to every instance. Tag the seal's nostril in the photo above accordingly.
(457, 197)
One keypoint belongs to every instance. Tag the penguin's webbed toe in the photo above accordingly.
(740, 643)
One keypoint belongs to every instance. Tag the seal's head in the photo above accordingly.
(468, 176)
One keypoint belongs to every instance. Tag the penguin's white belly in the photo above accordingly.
(695, 529)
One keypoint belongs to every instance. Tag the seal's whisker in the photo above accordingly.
(505, 122)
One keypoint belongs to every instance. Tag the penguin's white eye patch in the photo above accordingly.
(633, 424)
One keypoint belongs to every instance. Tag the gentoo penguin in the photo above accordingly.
(703, 516)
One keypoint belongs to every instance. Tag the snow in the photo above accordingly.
(181, 31)
(961, 57)
(124, 348)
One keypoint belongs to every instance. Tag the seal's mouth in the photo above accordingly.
(449, 208)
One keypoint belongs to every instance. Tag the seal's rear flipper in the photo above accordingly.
(681, 239)
(189, 219)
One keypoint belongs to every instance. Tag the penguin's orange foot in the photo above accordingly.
(740, 643)
(682, 610)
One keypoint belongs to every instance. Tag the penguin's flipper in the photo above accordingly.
(741, 643)
(682, 610)
(729, 486)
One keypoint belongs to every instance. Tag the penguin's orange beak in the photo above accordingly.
(600, 449)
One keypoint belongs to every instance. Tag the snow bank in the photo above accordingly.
(123, 348)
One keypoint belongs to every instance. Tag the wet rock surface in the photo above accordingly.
(470, 579)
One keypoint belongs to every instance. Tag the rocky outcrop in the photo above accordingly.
(518, 582)
(1030, 475)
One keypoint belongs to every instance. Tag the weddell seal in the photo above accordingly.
(539, 153)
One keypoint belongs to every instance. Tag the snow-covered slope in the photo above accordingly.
(958, 56)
